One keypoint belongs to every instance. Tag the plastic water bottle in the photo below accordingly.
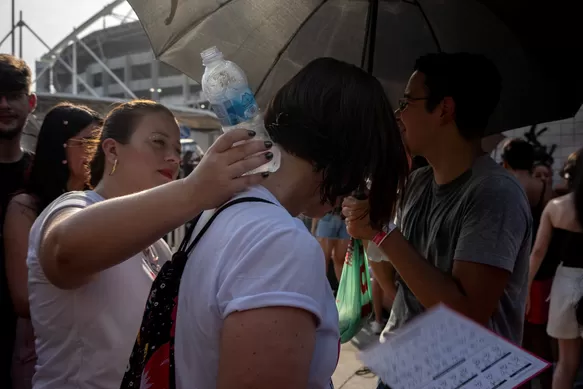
(227, 90)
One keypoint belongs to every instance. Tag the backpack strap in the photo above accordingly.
(185, 249)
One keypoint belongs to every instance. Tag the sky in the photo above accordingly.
(52, 20)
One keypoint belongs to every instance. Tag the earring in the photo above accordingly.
(64, 161)
(113, 168)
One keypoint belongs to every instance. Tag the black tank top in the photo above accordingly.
(552, 258)
(568, 247)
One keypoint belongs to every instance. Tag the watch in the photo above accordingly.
(380, 237)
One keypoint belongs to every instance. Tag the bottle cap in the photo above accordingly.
(210, 55)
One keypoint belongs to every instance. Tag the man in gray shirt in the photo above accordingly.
(464, 223)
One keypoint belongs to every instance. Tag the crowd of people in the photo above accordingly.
(84, 215)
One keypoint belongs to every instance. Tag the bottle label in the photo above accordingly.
(238, 109)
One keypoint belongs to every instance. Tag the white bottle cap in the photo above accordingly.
(210, 55)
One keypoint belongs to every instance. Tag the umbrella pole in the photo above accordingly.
(370, 33)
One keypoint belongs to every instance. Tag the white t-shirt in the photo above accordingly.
(253, 255)
(84, 337)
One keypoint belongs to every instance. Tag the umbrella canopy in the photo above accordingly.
(536, 47)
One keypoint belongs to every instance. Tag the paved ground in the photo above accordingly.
(348, 374)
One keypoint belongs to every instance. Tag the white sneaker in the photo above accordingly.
(377, 327)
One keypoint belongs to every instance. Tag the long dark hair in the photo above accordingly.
(119, 125)
(577, 186)
(337, 117)
(49, 175)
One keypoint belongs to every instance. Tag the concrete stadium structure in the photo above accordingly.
(103, 67)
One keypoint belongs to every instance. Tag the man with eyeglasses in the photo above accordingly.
(463, 230)
(16, 104)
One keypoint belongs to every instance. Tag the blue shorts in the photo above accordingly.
(332, 226)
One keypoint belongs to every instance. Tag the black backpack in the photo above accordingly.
(151, 363)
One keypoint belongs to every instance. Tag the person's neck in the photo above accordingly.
(10, 150)
(532, 186)
(74, 184)
(521, 175)
(288, 185)
(109, 189)
(450, 159)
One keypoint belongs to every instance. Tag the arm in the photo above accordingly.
(473, 289)
(262, 346)
(385, 274)
(20, 216)
(78, 243)
(314, 225)
(494, 227)
(274, 298)
(541, 244)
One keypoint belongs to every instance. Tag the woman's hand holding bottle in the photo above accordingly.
(219, 175)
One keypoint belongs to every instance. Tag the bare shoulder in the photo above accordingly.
(561, 211)
(23, 204)
(561, 202)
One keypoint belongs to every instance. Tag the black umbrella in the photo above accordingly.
(536, 45)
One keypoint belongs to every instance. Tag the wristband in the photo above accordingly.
(380, 237)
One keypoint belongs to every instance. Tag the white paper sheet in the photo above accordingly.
(441, 349)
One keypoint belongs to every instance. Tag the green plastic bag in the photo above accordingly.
(354, 298)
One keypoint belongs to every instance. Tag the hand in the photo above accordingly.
(219, 175)
(358, 218)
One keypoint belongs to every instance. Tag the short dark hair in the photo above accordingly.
(471, 80)
(119, 125)
(49, 176)
(337, 117)
(518, 154)
(15, 75)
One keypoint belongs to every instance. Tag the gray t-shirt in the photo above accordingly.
(482, 216)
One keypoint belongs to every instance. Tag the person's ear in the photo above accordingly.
(32, 100)
(109, 147)
(447, 106)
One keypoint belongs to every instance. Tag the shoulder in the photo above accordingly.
(561, 201)
(417, 180)
(75, 200)
(492, 182)
(260, 226)
(24, 200)
(21, 206)
(560, 206)
(63, 204)
(422, 174)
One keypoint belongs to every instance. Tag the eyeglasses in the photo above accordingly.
(404, 102)
(77, 142)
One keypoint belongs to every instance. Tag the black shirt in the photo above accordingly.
(12, 179)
